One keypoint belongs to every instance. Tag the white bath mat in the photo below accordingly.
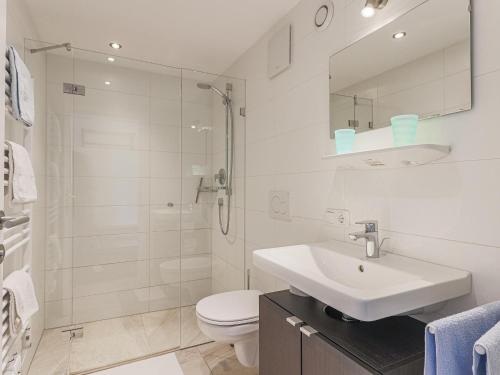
(161, 365)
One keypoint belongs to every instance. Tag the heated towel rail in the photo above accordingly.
(15, 237)
(8, 81)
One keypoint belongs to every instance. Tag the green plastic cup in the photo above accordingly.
(344, 140)
(404, 130)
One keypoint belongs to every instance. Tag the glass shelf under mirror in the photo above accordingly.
(391, 157)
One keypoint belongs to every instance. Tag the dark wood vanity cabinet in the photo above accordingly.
(320, 357)
(298, 338)
(280, 345)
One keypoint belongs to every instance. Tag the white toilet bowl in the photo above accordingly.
(233, 318)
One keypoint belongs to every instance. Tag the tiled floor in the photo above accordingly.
(112, 341)
(212, 359)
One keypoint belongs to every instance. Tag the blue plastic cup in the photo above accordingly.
(404, 130)
(344, 140)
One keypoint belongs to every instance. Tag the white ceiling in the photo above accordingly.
(207, 35)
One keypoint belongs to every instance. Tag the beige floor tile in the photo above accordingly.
(191, 362)
(231, 366)
(108, 342)
(190, 333)
(52, 355)
(221, 359)
(162, 330)
(213, 353)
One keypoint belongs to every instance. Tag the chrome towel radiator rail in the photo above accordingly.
(8, 81)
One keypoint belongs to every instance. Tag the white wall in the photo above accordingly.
(445, 212)
(19, 27)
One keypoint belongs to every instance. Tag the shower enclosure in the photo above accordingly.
(133, 207)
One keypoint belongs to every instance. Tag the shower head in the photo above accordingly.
(206, 86)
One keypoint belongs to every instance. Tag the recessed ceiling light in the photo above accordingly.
(111, 59)
(399, 35)
(107, 83)
(115, 45)
(372, 5)
(368, 11)
(193, 126)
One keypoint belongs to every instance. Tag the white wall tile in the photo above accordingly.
(193, 291)
(105, 306)
(109, 278)
(99, 250)
(196, 267)
(164, 218)
(165, 164)
(59, 253)
(58, 313)
(58, 284)
(103, 220)
(164, 297)
(165, 190)
(104, 191)
(196, 241)
(111, 163)
(164, 271)
(112, 104)
(165, 244)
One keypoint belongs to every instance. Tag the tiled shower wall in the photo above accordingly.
(445, 212)
(123, 234)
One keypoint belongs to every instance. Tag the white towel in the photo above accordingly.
(449, 342)
(489, 343)
(23, 176)
(22, 89)
(23, 302)
(15, 366)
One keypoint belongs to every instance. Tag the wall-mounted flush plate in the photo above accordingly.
(279, 205)
(337, 217)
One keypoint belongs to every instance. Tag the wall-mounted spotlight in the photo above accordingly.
(371, 6)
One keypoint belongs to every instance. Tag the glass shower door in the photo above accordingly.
(121, 192)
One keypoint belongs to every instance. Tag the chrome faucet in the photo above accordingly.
(371, 236)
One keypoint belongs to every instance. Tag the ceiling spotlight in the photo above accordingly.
(111, 59)
(115, 45)
(371, 6)
(107, 83)
(399, 35)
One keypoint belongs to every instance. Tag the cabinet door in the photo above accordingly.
(279, 340)
(320, 357)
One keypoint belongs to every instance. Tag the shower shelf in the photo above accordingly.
(392, 157)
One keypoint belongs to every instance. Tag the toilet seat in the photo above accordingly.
(230, 309)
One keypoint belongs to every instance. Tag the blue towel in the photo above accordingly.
(449, 342)
(488, 362)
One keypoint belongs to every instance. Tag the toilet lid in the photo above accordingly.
(230, 308)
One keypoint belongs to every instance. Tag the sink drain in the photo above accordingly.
(361, 268)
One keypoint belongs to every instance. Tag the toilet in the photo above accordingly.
(233, 318)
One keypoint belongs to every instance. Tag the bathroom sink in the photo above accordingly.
(339, 275)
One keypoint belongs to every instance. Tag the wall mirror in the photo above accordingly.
(418, 64)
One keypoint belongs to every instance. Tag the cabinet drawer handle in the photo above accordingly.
(294, 321)
(308, 331)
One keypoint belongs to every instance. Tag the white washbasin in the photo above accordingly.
(339, 275)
